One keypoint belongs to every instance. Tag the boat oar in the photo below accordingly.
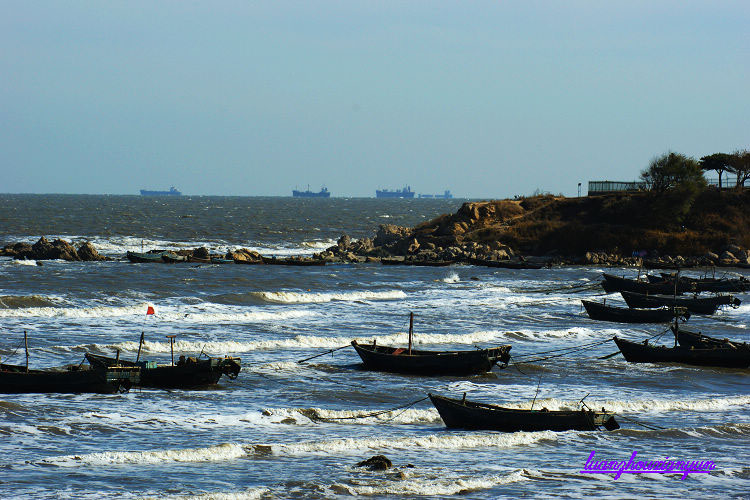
(319, 355)
(610, 355)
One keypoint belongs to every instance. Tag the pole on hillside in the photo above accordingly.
(26, 347)
(411, 329)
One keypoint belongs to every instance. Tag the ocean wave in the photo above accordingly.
(231, 451)
(322, 297)
(642, 405)
(451, 278)
(23, 262)
(220, 452)
(432, 485)
(444, 441)
(163, 314)
(307, 415)
(296, 342)
(28, 301)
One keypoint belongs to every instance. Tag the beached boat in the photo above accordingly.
(73, 379)
(187, 373)
(603, 312)
(698, 305)
(504, 264)
(145, 257)
(724, 357)
(463, 414)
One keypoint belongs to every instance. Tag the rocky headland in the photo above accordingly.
(619, 229)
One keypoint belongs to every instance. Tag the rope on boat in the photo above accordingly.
(368, 415)
(562, 352)
(564, 289)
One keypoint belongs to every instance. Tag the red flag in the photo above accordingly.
(150, 310)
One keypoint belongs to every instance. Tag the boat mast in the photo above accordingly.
(140, 344)
(411, 329)
(26, 347)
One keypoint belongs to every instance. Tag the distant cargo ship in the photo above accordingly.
(446, 195)
(172, 192)
(396, 193)
(323, 193)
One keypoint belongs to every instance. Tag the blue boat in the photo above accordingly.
(172, 192)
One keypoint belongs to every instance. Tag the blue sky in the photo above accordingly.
(488, 99)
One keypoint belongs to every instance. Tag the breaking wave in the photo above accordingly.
(317, 298)
(230, 451)
(26, 301)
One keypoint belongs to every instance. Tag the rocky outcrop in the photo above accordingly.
(87, 252)
(378, 462)
(245, 255)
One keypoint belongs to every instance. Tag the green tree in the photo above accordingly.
(672, 170)
(720, 162)
(739, 165)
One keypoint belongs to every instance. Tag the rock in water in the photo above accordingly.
(378, 462)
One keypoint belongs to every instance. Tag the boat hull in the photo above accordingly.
(391, 359)
(698, 305)
(462, 414)
(16, 380)
(601, 312)
(189, 374)
(719, 357)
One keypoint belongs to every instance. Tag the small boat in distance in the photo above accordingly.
(396, 193)
(172, 192)
(323, 193)
(463, 414)
(445, 196)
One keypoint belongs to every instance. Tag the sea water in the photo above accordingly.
(288, 430)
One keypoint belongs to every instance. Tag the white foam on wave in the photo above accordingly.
(428, 486)
(643, 405)
(220, 452)
(24, 262)
(322, 297)
(296, 342)
(204, 315)
(451, 278)
(248, 494)
(231, 451)
(428, 442)
(350, 417)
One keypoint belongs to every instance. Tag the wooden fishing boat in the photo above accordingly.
(141, 257)
(463, 414)
(74, 379)
(698, 305)
(613, 284)
(603, 312)
(401, 360)
(407, 360)
(724, 357)
(713, 285)
(504, 264)
(187, 373)
(700, 341)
